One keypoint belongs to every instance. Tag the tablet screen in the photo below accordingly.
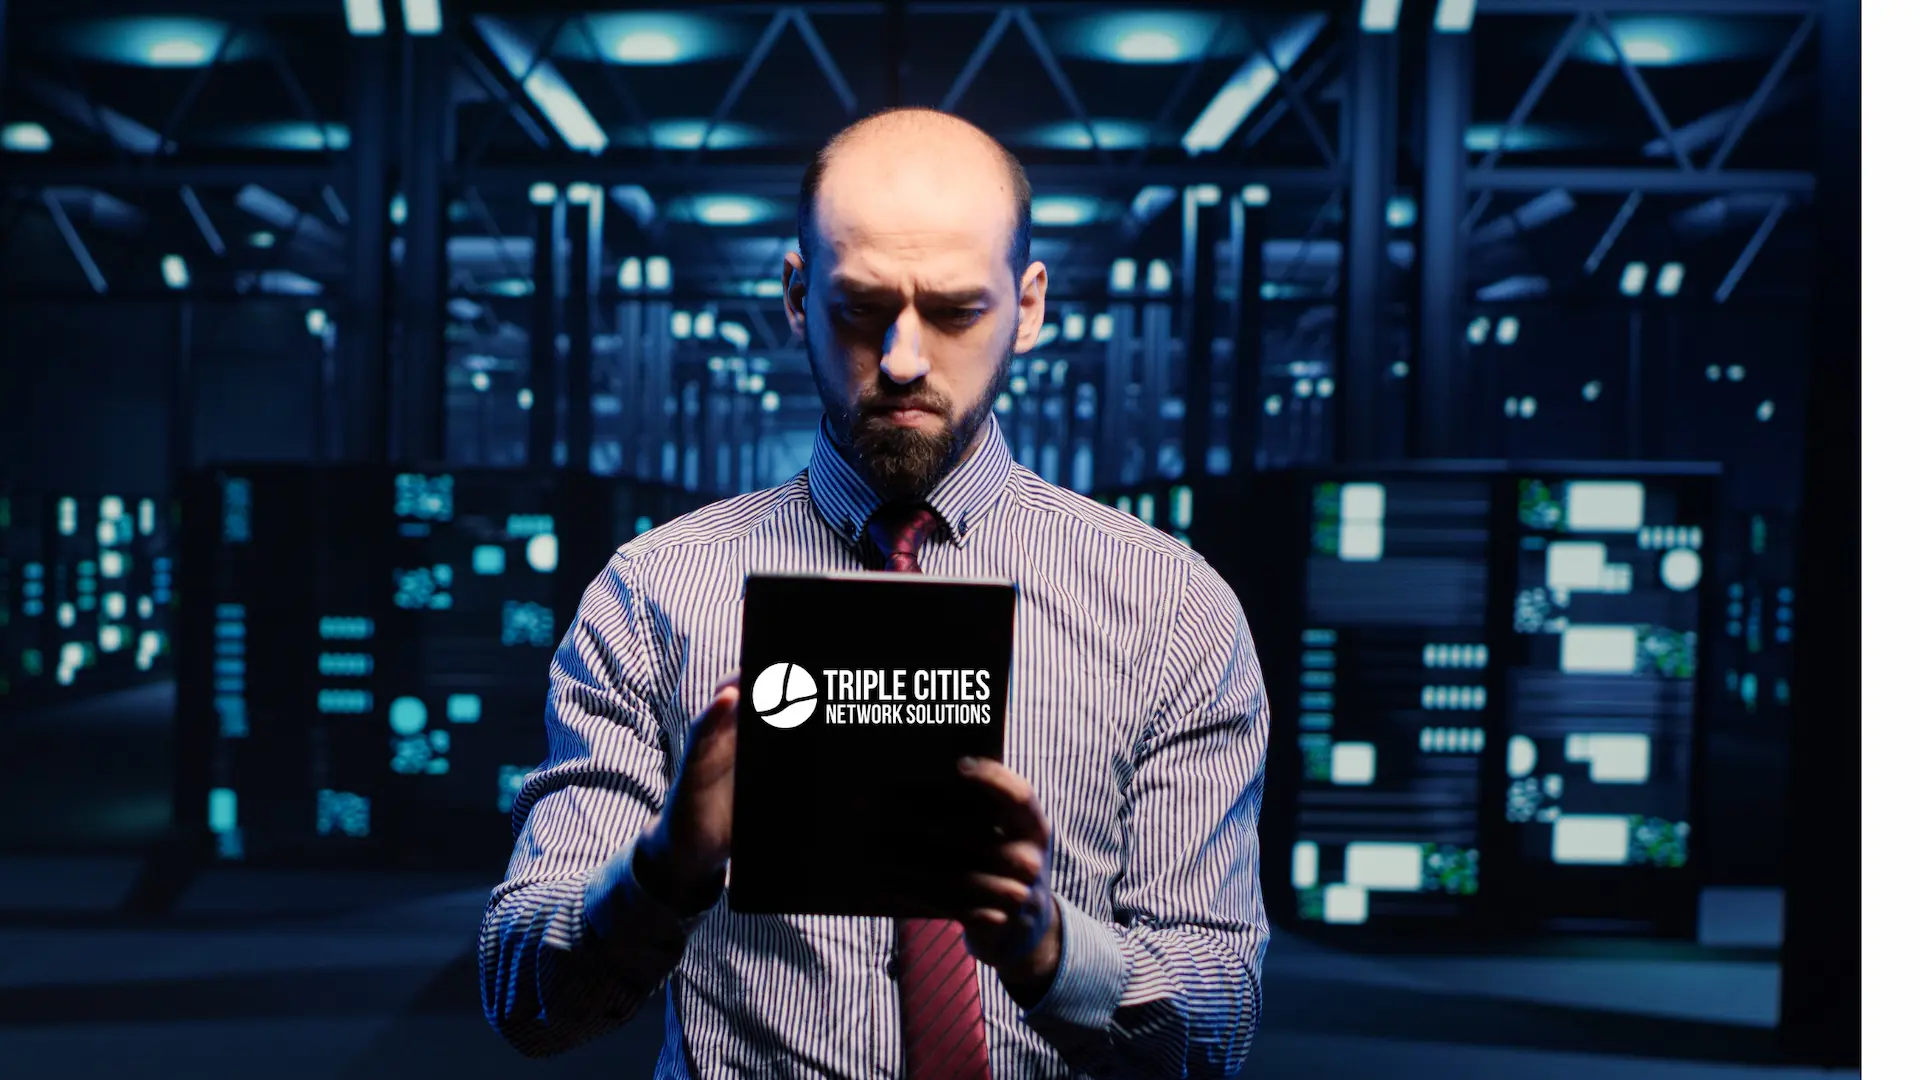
(859, 693)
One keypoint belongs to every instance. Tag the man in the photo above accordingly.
(1119, 929)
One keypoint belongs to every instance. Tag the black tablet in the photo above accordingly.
(860, 692)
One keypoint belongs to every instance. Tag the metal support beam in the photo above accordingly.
(768, 38)
(1641, 91)
(1650, 7)
(1612, 235)
(181, 107)
(1161, 127)
(782, 179)
(1752, 250)
(1249, 337)
(1199, 281)
(977, 60)
(181, 413)
(1117, 395)
(1651, 181)
(707, 474)
(1371, 148)
(419, 371)
(824, 60)
(1292, 93)
(124, 135)
(1820, 954)
(629, 316)
(1155, 342)
(504, 258)
(201, 221)
(291, 82)
(78, 8)
(686, 433)
(578, 305)
(656, 388)
(542, 360)
(752, 430)
(1768, 84)
(1058, 76)
(74, 244)
(165, 174)
(1305, 83)
(770, 337)
(1443, 408)
(326, 403)
(363, 339)
(1569, 38)
(509, 96)
(517, 92)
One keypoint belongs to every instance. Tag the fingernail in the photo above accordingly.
(968, 764)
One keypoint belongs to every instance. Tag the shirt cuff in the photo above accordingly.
(635, 926)
(1092, 975)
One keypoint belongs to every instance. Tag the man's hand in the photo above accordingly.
(685, 854)
(1004, 902)
(1007, 906)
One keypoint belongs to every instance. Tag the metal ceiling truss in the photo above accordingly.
(145, 162)
(761, 49)
(331, 8)
(781, 180)
(506, 93)
(122, 134)
(1684, 177)
(144, 151)
(1293, 93)
(516, 92)
(75, 244)
(510, 100)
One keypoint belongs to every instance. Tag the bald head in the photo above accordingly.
(889, 165)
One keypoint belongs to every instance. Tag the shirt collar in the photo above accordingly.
(961, 498)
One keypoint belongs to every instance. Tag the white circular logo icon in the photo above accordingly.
(784, 695)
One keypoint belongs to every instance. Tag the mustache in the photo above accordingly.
(873, 402)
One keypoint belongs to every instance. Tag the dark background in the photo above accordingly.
(1378, 286)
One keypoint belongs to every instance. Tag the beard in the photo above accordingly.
(903, 462)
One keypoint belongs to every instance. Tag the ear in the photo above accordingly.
(793, 292)
(1033, 307)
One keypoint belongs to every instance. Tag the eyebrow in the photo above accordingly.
(962, 297)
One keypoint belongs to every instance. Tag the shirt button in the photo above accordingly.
(893, 966)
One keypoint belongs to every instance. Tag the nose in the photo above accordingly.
(901, 360)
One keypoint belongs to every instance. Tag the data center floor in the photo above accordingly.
(252, 973)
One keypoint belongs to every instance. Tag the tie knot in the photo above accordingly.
(898, 530)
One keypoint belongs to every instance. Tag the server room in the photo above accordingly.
(1502, 357)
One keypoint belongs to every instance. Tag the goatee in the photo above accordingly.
(904, 462)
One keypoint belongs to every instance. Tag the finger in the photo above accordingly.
(1021, 860)
(993, 892)
(711, 743)
(1013, 801)
(952, 896)
(720, 715)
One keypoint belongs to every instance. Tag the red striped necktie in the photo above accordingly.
(942, 1026)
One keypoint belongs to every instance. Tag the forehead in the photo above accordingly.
(884, 213)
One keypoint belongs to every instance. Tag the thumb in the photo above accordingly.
(713, 729)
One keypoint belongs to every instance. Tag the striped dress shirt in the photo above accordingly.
(1135, 708)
